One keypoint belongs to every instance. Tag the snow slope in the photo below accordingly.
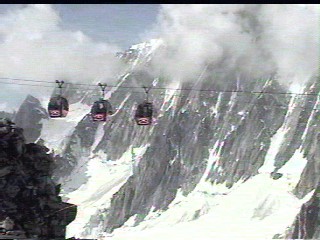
(105, 178)
(276, 141)
(256, 209)
(56, 132)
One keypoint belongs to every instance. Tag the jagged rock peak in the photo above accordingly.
(29, 118)
(31, 99)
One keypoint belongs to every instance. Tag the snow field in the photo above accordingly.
(256, 209)
(105, 179)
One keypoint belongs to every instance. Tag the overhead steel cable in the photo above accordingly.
(173, 95)
(166, 88)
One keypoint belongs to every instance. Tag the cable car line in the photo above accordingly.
(172, 95)
(167, 88)
(162, 94)
(74, 88)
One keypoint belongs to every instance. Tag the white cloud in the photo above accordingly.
(256, 40)
(33, 45)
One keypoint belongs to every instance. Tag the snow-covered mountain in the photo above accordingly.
(218, 164)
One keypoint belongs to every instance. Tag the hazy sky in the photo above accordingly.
(107, 25)
(77, 43)
(121, 24)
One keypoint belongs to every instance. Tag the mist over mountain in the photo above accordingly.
(233, 151)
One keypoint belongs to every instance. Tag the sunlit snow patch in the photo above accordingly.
(294, 167)
(56, 132)
(276, 140)
(170, 99)
(105, 179)
(316, 106)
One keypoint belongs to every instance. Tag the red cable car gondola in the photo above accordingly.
(58, 106)
(101, 108)
(144, 111)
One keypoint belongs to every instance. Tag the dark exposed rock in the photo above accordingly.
(310, 144)
(307, 222)
(28, 195)
(276, 175)
(176, 157)
(4, 114)
(278, 236)
(77, 148)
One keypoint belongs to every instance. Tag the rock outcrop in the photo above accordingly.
(30, 205)
(29, 118)
(4, 114)
(307, 222)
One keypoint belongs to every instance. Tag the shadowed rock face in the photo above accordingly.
(310, 144)
(178, 151)
(29, 116)
(306, 224)
(77, 148)
(180, 142)
(28, 196)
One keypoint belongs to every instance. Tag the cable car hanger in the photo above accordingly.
(60, 84)
(103, 88)
(58, 106)
(147, 90)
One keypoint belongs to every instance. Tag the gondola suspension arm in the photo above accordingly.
(60, 84)
(103, 88)
(147, 90)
